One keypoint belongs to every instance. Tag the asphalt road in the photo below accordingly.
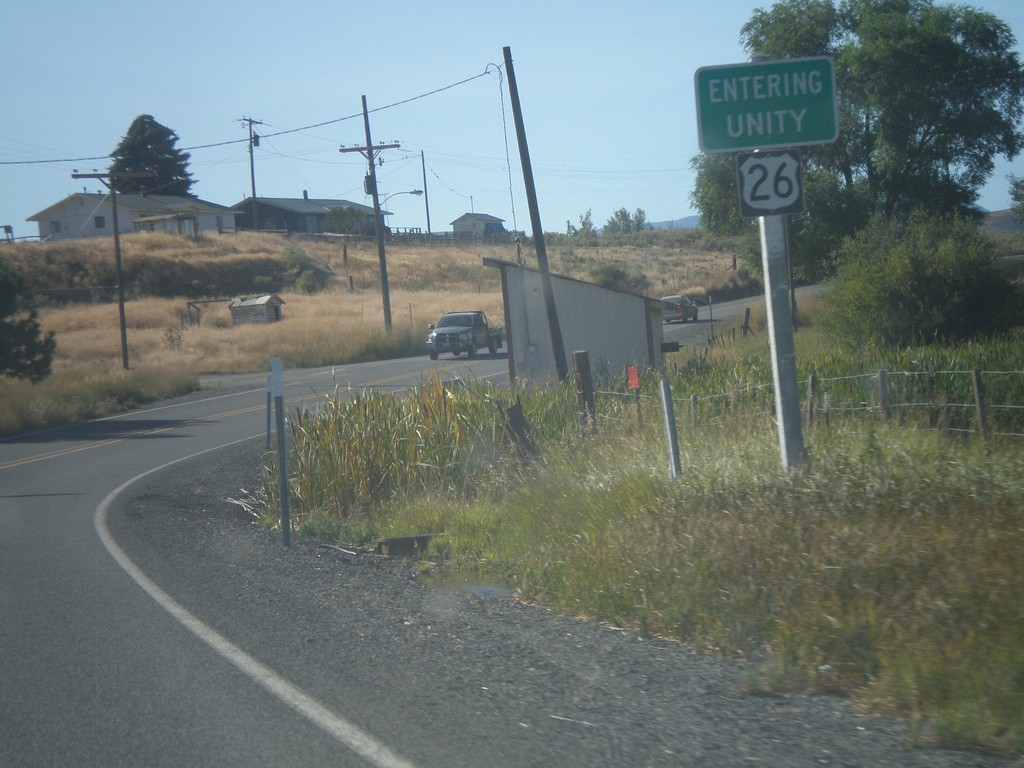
(94, 670)
(144, 621)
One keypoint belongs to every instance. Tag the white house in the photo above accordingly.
(91, 214)
(478, 226)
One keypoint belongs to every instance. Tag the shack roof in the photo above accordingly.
(270, 298)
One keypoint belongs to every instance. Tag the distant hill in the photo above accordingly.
(1003, 221)
(688, 222)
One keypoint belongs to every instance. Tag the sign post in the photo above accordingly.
(276, 382)
(757, 106)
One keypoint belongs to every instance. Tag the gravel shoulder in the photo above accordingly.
(459, 679)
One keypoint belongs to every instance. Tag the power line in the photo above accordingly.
(270, 135)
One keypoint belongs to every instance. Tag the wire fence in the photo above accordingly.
(983, 403)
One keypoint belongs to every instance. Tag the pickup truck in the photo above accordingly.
(459, 332)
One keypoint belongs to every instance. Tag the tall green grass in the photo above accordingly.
(888, 569)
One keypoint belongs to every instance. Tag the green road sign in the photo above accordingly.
(785, 103)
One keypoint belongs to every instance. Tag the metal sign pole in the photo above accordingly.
(277, 379)
(780, 334)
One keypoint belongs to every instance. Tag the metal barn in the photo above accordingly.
(616, 328)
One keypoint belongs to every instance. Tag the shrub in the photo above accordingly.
(932, 279)
(618, 277)
(310, 281)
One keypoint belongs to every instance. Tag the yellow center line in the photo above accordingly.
(85, 447)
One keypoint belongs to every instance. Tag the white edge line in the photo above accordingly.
(340, 729)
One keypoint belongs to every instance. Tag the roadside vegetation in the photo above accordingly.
(888, 569)
(179, 328)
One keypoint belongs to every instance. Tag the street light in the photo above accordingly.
(416, 192)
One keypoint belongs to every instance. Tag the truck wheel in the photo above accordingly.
(492, 346)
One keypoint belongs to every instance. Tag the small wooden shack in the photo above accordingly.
(257, 311)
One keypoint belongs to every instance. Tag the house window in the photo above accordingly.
(54, 227)
(99, 222)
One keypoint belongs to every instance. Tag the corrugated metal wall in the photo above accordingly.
(616, 328)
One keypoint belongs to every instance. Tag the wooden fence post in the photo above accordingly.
(812, 391)
(933, 408)
(693, 410)
(745, 329)
(584, 391)
(883, 393)
(979, 402)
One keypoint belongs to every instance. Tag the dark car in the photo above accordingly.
(459, 332)
(679, 308)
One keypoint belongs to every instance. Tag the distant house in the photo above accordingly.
(479, 226)
(91, 214)
(258, 311)
(303, 215)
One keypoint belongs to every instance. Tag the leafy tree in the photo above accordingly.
(586, 233)
(1017, 195)
(150, 146)
(348, 221)
(715, 194)
(622, 222)
(929, 94)
(928, 97)
(934, 278)
(832, 213)
(619, 224)
(25, 351)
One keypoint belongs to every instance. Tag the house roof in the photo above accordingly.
(256, 302)
(304, 205)
(150, 205)
(484, 217)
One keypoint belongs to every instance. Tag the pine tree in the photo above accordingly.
(150, 146)
(26, 352)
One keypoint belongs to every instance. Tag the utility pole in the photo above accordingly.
(426, 203)
(370, 153)
(110, 180)
(254, 141)
(557, 344)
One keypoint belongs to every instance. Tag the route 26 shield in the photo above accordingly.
(770, 183)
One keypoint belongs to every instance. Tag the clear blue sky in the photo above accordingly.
(606, 91)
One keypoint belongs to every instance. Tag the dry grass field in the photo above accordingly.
(332, 314)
